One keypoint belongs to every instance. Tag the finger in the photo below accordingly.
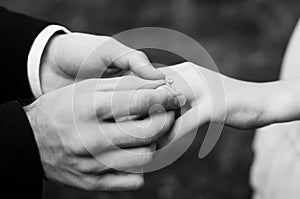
(136, 102)
(141, 132)
(185, 124)
(112, 70)
(127, 58)
(128, 83)
(117, 83)
(129, 160)
(119, 182)
(138, 62)
(93, 138)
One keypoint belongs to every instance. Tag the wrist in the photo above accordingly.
(29, 109)
(247, 104)
(48, 63)
(35, 57)
(32, 117)
(36, 119)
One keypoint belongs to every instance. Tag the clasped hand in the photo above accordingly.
(79, 126)
(66, 119)
(79, 141)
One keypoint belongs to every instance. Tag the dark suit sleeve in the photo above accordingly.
(16, 37)
(20, 168)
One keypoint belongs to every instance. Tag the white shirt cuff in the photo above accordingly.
(35, 55)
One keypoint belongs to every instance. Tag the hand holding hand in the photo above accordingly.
(66, 53)
(79, 142)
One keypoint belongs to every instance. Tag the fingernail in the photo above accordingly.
(156, 83)
(177, 93)
(160, 82)
(170, 81)
(165, 87)
(158, 74)
(181, 99)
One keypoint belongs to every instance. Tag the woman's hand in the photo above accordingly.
(245, 105)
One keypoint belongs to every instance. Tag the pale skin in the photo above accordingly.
(261, 104)
(247, 105)
(76, 152)
(69, 150)
(66, 54)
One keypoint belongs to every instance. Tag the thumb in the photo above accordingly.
(138, 63)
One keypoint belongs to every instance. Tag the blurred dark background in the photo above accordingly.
(247, 40)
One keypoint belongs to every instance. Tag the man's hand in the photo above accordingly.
(79, 141)
(66, 54)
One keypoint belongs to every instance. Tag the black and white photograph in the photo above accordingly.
(149, 99)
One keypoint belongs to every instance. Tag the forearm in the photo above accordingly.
(284, 98)
(20, 156)
(252, 105)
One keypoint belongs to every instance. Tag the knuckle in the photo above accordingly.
(114, 42)
(166, 119)
(149, 135)
(170, 116)
(103, 106)
(159, 126)
(188, 64)
(164, 96)
(74, 146)
(75, 149)
(149, 138)
(83, 167)
(105, 37)
(140, 182)
(147, 100)
(141, 101)
(146, 157)
(169, 120)
(84, 182)
(89, 185)
(167, 98)
(140, 53)
(108, 39)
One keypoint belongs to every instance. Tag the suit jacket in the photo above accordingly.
(20, 169)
